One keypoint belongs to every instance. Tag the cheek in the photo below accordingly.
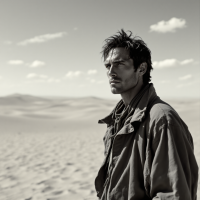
(131, 78)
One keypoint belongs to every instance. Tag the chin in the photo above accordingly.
(115, 91)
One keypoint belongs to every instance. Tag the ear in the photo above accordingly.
(142, 68)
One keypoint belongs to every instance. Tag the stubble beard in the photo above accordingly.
(116, 90)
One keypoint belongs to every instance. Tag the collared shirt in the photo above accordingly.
(152, 153)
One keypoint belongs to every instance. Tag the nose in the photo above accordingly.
(111, 72)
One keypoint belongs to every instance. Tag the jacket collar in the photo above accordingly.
(140, 110)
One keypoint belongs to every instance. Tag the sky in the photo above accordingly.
(53, 47)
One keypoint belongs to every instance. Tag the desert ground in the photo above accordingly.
(51, 148)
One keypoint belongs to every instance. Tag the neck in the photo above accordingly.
(130, 94)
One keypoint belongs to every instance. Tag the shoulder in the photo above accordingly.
(164, 120)
(162, 113)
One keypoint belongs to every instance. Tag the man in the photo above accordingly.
(148, 148)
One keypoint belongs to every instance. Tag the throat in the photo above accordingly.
(130, 94)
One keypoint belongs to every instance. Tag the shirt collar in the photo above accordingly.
(140, 110)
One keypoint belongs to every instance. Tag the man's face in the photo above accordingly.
(120, 71)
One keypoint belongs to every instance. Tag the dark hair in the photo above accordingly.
(137, 48)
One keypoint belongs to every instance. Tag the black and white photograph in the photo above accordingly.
(99, 99)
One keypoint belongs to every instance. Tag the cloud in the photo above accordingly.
(32, 75)
(183, 78)
(91, 80)
(92, 71)
(72, 74)
(187, 61)
(37, 63)
(168, 26)
(42, 38)
(16, 62)
(165, 63)
(171, 63)
(35, 78)
(75, 28)
(34, 64)
(187, 84)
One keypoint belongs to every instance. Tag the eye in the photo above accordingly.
(107, 66)
(118, 63)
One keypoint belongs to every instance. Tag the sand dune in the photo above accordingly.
(51, 148)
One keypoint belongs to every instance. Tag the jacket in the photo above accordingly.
(152, 155)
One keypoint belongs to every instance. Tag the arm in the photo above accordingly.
(174, 171)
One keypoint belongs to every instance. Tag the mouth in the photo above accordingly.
(114, 81)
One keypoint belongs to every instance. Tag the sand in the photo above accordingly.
(51, 148)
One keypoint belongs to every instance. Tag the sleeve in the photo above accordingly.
(174, 171)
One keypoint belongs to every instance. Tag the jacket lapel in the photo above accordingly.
(139, 113)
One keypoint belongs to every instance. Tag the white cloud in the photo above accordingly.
(40, 78)
(165, 63)
(185, 84)
(72, 74)
(168, 26)
(183, 78)
(37, 63)
(187, 61)
(91, 80)
(42, 38)
(16, 62)
(75, 28)
(92, 71)
(32, 75)
(171, 63)
(190, 83)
